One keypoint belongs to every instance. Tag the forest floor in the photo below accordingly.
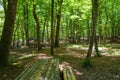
(106, 67)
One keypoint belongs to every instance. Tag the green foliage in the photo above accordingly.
(79, 11)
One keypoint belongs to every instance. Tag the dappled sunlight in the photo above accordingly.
(74, 46)
(117, 76)
(82, 52)
(78, 55)
(116, 52)
(17, 63)
(23, 47)
(84, 48)
(78, 73)
(73, 57)
(27, 56)
(62, 65)
(43, 56)
(109, 52)
(14, 53)
(75, 52)
(103, 49)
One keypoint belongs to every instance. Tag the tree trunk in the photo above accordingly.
(38, 27)
(88, 29)
(47, 29)
(95, 14)
(52, 28)
(43, 32)
(25, 6)
(87, 62)
(23, 38)
(97, 53)
(7, 33)
(106, 25)
(58, 23)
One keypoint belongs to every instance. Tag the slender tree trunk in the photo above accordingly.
(23, 36)
(112, 29)
(52, 28)
(106, 24)
(7, 33)
(112, 23)
(25, 6)
(88, 29)
(100, 31)
(38, 27)
(43, 32)
(97, 53)
(87, 62)
(47, 31)
(14, 33)
(58, 23)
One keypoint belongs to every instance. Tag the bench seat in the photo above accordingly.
(41, 70)
(68, 73)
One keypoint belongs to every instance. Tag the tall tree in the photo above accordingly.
(38, 26)
(7, 33)
(95, 14)
(25, 7)
(52, 28)
(87, 62)
(58, 23)
(44, 28)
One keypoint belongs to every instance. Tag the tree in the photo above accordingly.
(38, 26)
(52, 28)
(7, 33)
(26, 28)
(87, 62)
(58, 23)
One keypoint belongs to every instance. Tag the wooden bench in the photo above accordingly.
(41, 70)
(68, 73)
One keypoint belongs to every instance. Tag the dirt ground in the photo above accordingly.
(106, 67)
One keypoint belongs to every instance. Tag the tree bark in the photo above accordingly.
(25, 6)
(58, 23)
(93, 39)
(52, 28)
(38, 27)
(43, 32)
(95, 14)
(7, 33)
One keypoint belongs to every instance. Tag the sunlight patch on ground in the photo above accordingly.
(79, 55)
(24, 47)
(14, 53)
(27, 56)
(82, 52)
(62, 65)
(116, 52)
(43, 56)
(74, 46)
(74, 55)
(17, 63)
(109, 52)
(78, 72)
